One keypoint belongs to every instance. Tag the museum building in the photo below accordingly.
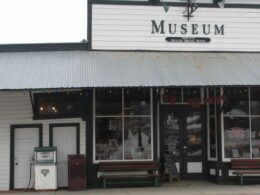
(153, 78)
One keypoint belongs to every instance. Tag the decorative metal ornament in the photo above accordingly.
(191, 7)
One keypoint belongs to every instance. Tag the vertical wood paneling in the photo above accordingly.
(15, 108)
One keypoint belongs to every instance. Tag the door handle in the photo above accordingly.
(184, 147)
(16, 163)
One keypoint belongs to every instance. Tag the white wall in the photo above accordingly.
(125, 27)
(15, 108)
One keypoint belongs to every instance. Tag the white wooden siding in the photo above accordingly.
(242, 1)
(15, 108)
(125, 27)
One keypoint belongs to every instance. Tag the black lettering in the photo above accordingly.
(219, 30)
(156, 28)
(171, 31)
(195, 29)
(206, 31)
(184, 29)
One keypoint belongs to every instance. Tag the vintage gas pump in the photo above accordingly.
(45, 168)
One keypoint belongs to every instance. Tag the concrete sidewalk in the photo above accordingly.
(177, 188)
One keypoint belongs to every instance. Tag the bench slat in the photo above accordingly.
(129, 176)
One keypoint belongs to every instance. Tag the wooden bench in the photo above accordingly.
(119, 172)
(244, 167)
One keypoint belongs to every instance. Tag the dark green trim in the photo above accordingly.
(77, 125)
(44, 149)
(156, 99)
(89, 35)
(148, 3)
(43, 47)
(12, 146)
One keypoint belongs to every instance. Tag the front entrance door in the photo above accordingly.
(183, 138)
(65, 138)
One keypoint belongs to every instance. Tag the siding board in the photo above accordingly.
(15, 108)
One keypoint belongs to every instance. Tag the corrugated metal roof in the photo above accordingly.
(76, 69)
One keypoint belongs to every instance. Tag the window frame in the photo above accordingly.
(208, 127)
(123, 116)
(249, 116)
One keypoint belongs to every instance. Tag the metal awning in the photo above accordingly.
(83, 69)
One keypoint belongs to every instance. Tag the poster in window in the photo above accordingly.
(112, 125)
(112, 144)
(235, 153)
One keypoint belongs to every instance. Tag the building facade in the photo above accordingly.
(154, 79)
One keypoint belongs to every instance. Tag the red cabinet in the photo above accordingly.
(77, 172)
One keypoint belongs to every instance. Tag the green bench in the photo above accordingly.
(245, 167)
(129, 173)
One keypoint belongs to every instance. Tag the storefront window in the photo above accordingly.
(123, 134)
(242, 123)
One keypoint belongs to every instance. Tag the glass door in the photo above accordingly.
(183, 139)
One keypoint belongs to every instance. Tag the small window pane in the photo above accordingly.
(242, 1)
(137, 138)
(172, 95)
(108, 102)
(236, 102)
(137, 102)
(191, 94)
(212, 96)
(236, 137)
(109, 139)
(255, 135)
(255, 100)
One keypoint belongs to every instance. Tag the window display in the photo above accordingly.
(137, 102)
(172, 134)
(123, 129)
(109, 139)
(137, 138)
(194, 131)
(242, 122)
(255, 137)
(236, 137)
